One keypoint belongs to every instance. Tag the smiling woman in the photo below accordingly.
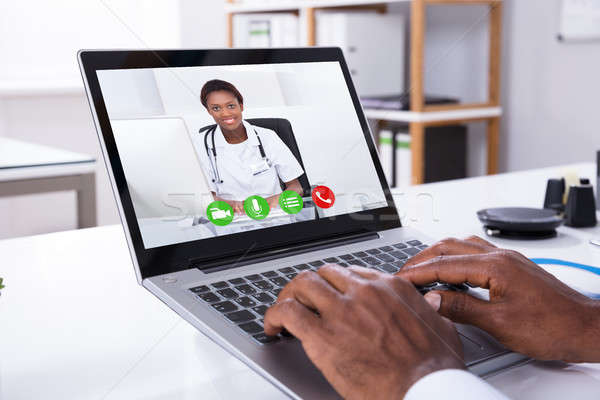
(243, 159)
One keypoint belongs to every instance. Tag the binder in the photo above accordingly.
(373, 45)
(266, 30)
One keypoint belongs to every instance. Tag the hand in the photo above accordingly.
(273, 201)
(529, 310)
(238, 207)
(374, 334)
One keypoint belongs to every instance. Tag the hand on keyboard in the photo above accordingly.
(529, 310)
(371, 334)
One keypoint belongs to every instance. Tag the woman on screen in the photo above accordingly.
(243, 160)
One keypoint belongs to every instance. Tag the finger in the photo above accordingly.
(337, 276)
(434, 300)
(310, 289)
(476, 269)
(462, 308)
(364, 273)
(293, 316)
(483, 242)
(450, 246)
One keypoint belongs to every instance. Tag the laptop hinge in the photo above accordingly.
(266, 255)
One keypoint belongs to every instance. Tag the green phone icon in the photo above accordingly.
(290, 202)
(256, 207)
(219, 213)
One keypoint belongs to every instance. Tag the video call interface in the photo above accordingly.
(219, 150)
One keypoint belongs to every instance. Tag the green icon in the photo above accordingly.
(256, 207)
(219, 213)
(290, 202)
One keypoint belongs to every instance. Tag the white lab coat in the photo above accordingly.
(241, 167)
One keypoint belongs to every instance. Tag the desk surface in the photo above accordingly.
(23, 160)
(75, 324)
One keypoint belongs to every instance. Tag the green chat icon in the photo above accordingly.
(290, 202)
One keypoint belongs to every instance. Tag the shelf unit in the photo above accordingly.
(420, 115)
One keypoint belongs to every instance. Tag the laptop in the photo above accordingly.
(222, 279)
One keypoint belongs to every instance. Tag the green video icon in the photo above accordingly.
(219, 213)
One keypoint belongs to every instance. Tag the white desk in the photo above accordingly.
(28, 168)
(74, 324)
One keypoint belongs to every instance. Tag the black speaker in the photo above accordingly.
(555, 190)
(581, 206)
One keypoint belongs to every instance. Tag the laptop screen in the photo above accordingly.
(211, 151)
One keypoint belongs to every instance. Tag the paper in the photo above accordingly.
(580, 20)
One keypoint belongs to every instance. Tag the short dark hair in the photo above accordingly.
(217, 85)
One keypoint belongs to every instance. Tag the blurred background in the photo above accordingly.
(548, 95)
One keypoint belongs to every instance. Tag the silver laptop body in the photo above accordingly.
(182, 278)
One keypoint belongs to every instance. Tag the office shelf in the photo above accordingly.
(289, 5)
(430, 117)
(420, 115)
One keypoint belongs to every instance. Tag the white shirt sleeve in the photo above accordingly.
(288, 167)
(461, 384)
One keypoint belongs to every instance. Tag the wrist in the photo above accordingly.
(589, 348)
(581, 333)
(273, 200)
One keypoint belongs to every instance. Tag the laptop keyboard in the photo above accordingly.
(244, 301)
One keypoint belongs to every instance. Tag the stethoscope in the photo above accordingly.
(213, 160)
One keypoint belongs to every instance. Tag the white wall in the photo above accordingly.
(42, 39)
(550, 90)
(130, 93)
(45, 35)
(203, 24)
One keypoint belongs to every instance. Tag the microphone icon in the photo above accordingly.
(256, 207)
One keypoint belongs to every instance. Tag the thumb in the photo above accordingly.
(459, 307)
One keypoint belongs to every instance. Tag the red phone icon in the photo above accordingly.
(323, 197)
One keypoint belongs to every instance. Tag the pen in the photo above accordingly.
(595, 242)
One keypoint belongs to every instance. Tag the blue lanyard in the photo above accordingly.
(553, 261)
(589, 268)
